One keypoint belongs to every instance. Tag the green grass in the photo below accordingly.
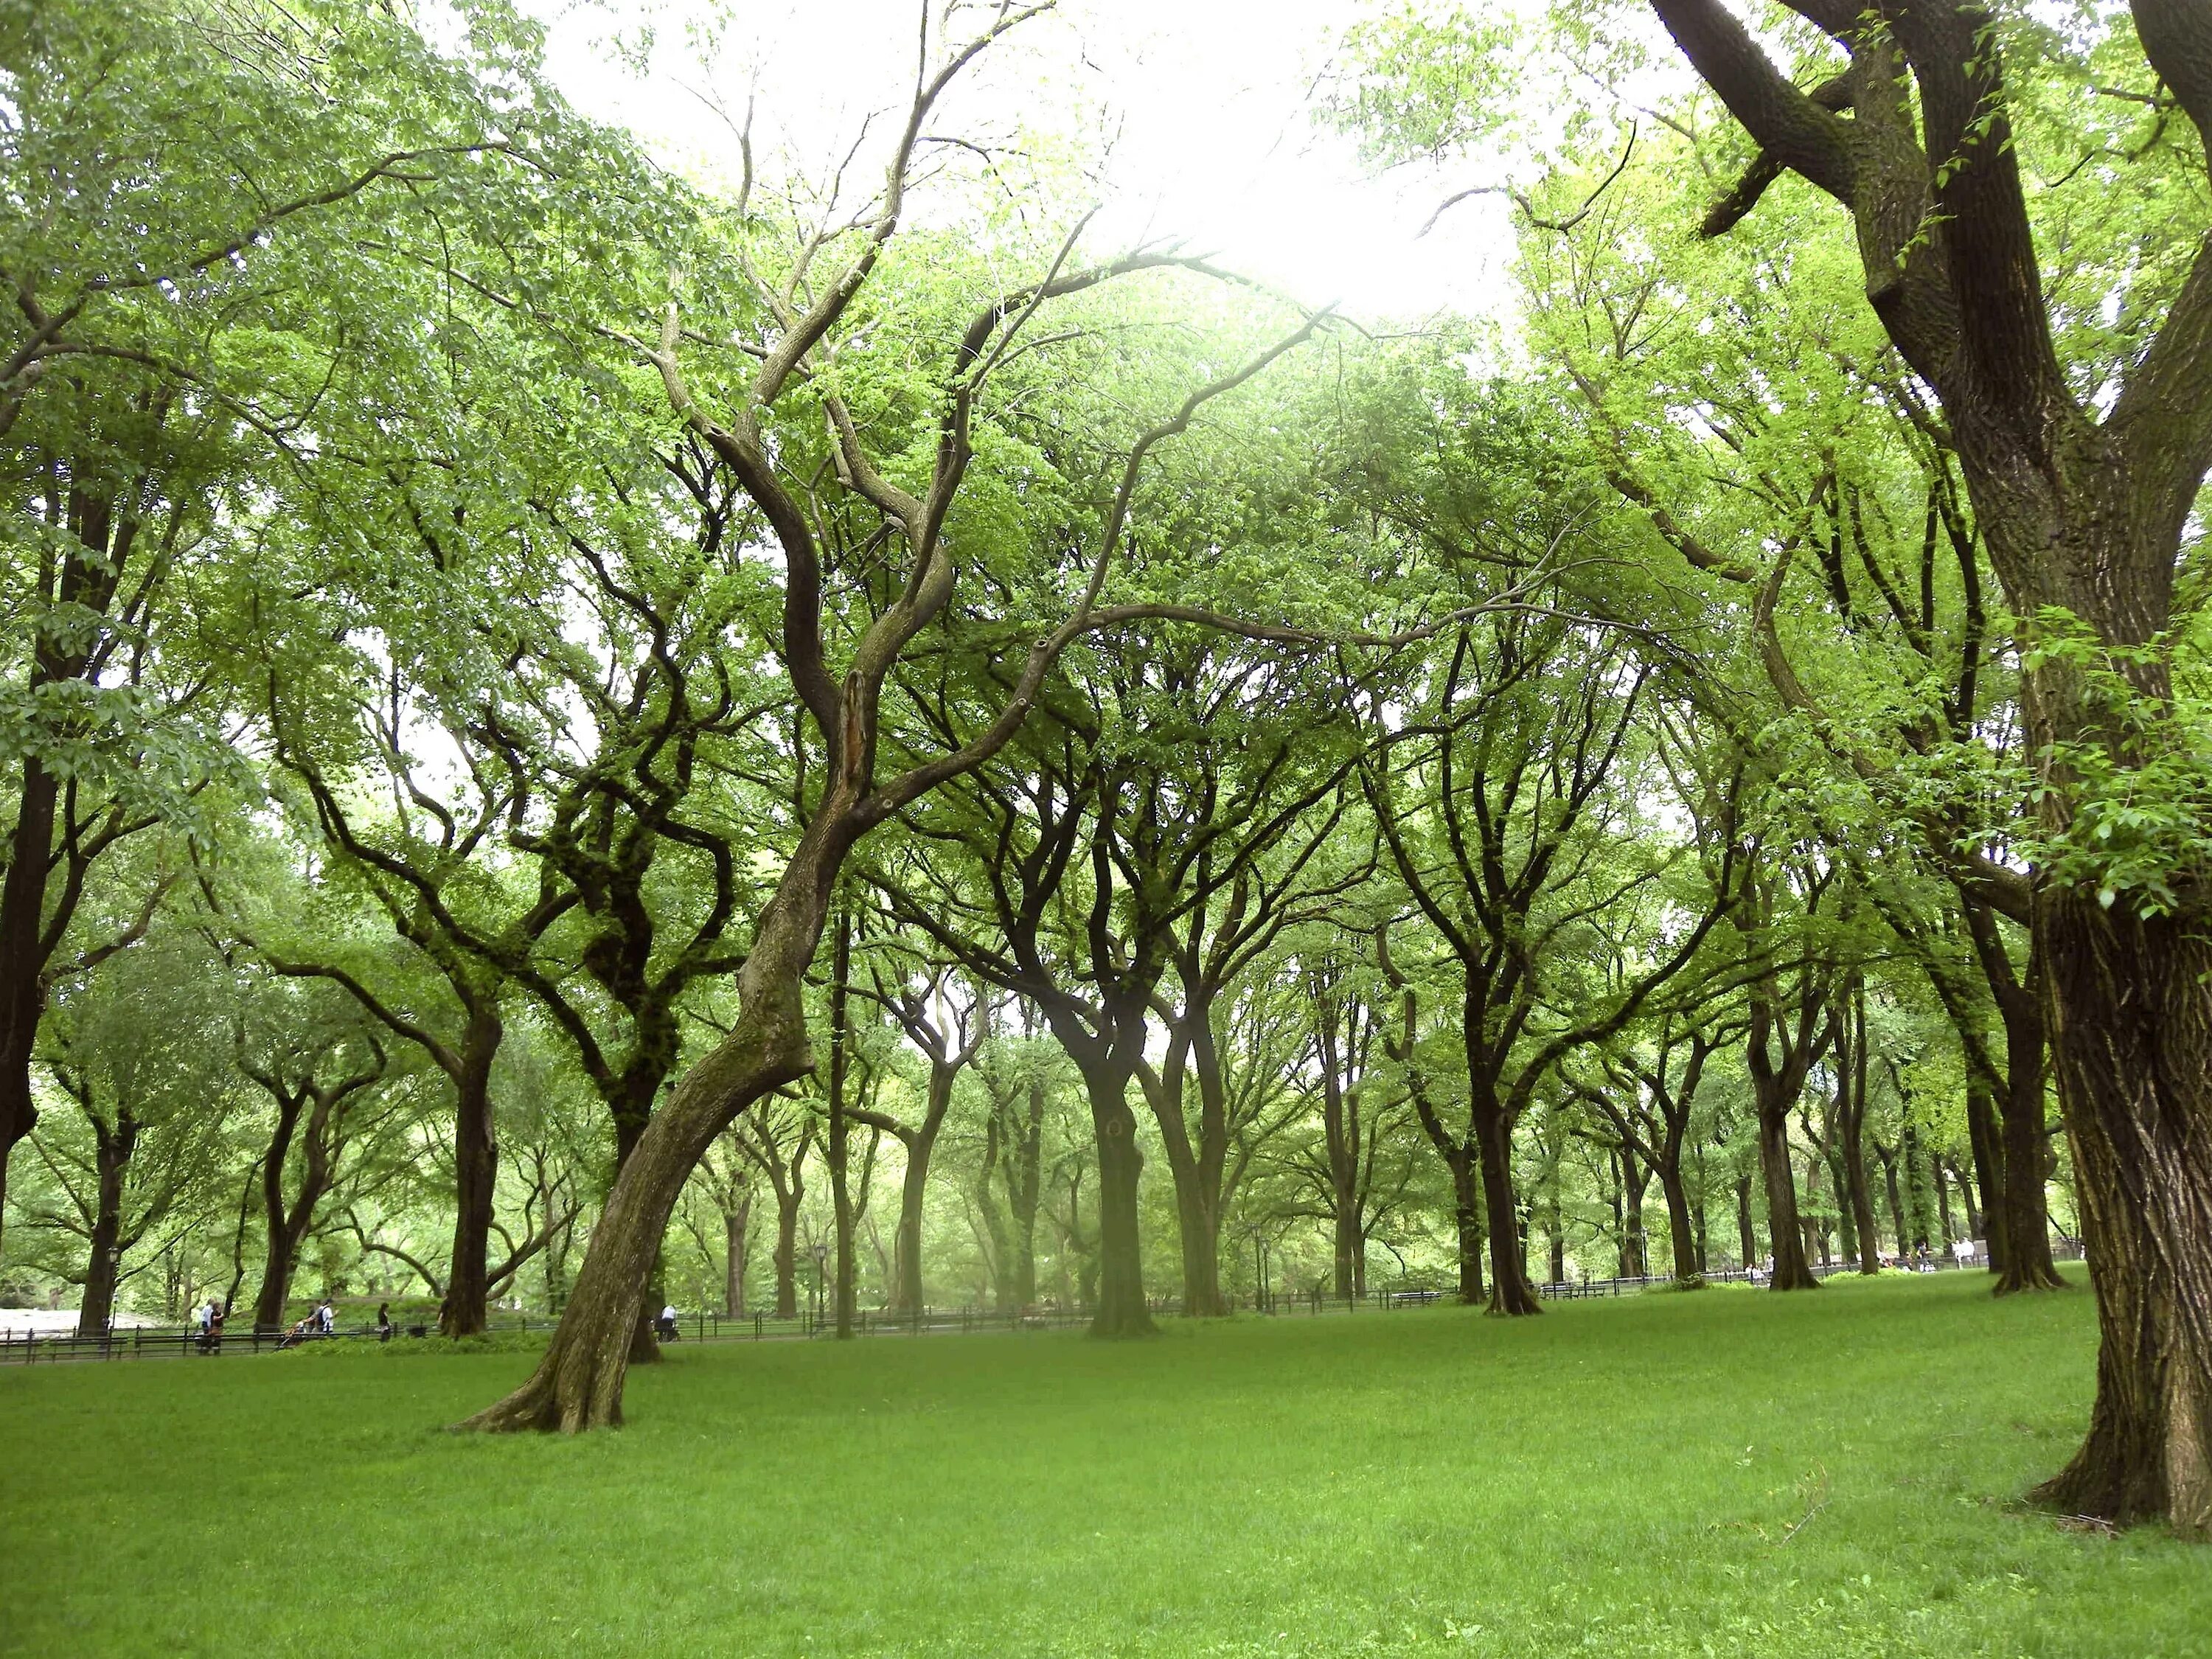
(1726, 1473)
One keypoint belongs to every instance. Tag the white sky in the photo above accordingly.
(1205, 102)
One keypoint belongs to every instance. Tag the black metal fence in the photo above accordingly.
(188, 1342)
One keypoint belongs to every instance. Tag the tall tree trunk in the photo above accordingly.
(839, 1148)
(1985, 1138)
(1510, 1292)
(1747, 1238)
(2026, 1218)
(1784, 1231)
(1196, 1177)
(1025, 1190)
(1862, 1199)
(1467, 1224)
(1120, 1309)
(22, 958)
(475, 1175)
(736, 1221)
(1636, 1255)
(103, 1267)
(921, 1147)
(1896, 1199)
(1920, 1203)
(1681, 1234)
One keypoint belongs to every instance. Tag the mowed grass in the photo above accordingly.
(1729, 1473)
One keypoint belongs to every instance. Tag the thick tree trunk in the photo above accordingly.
(578, 1385)
(1986, 1140)
(921, 1147)
(22, 959)
(2132, 1021)
(103, 1265)
(2025, 1221)
(1747, 1236)
(1121, 1309)
(1681, 1235)
(1199, 1222)
(1198, 1198)
(475, 1172)
(787, 1257)
(1510, 1292)
(1635, 1251)
(1468, 1224)
(1785, 1230)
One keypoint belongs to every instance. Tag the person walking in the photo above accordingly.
(384, 1321)
(326, 1318)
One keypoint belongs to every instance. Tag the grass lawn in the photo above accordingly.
(1725, 1473)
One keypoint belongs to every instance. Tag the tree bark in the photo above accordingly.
(475, 1175)
(736, 1221)
(1784, 1230)
(2024, 1217)
(2127, 1000)
(1120, 1309)
(1467, 1224)
(839, 1147)
(1681, 1233)
(113, 1148)
(578, 1385)
(22, 958)
(1747, 1236)
(1511, 1293)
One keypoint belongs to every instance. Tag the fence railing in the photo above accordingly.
(152, 1342)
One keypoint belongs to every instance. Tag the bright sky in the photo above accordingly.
(1204, 102)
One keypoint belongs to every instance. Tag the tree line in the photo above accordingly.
(571, 728)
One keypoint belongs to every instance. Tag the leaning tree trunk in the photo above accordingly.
(475, 1177)
(578, 1385)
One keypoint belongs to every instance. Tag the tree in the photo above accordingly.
(2084, 496)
